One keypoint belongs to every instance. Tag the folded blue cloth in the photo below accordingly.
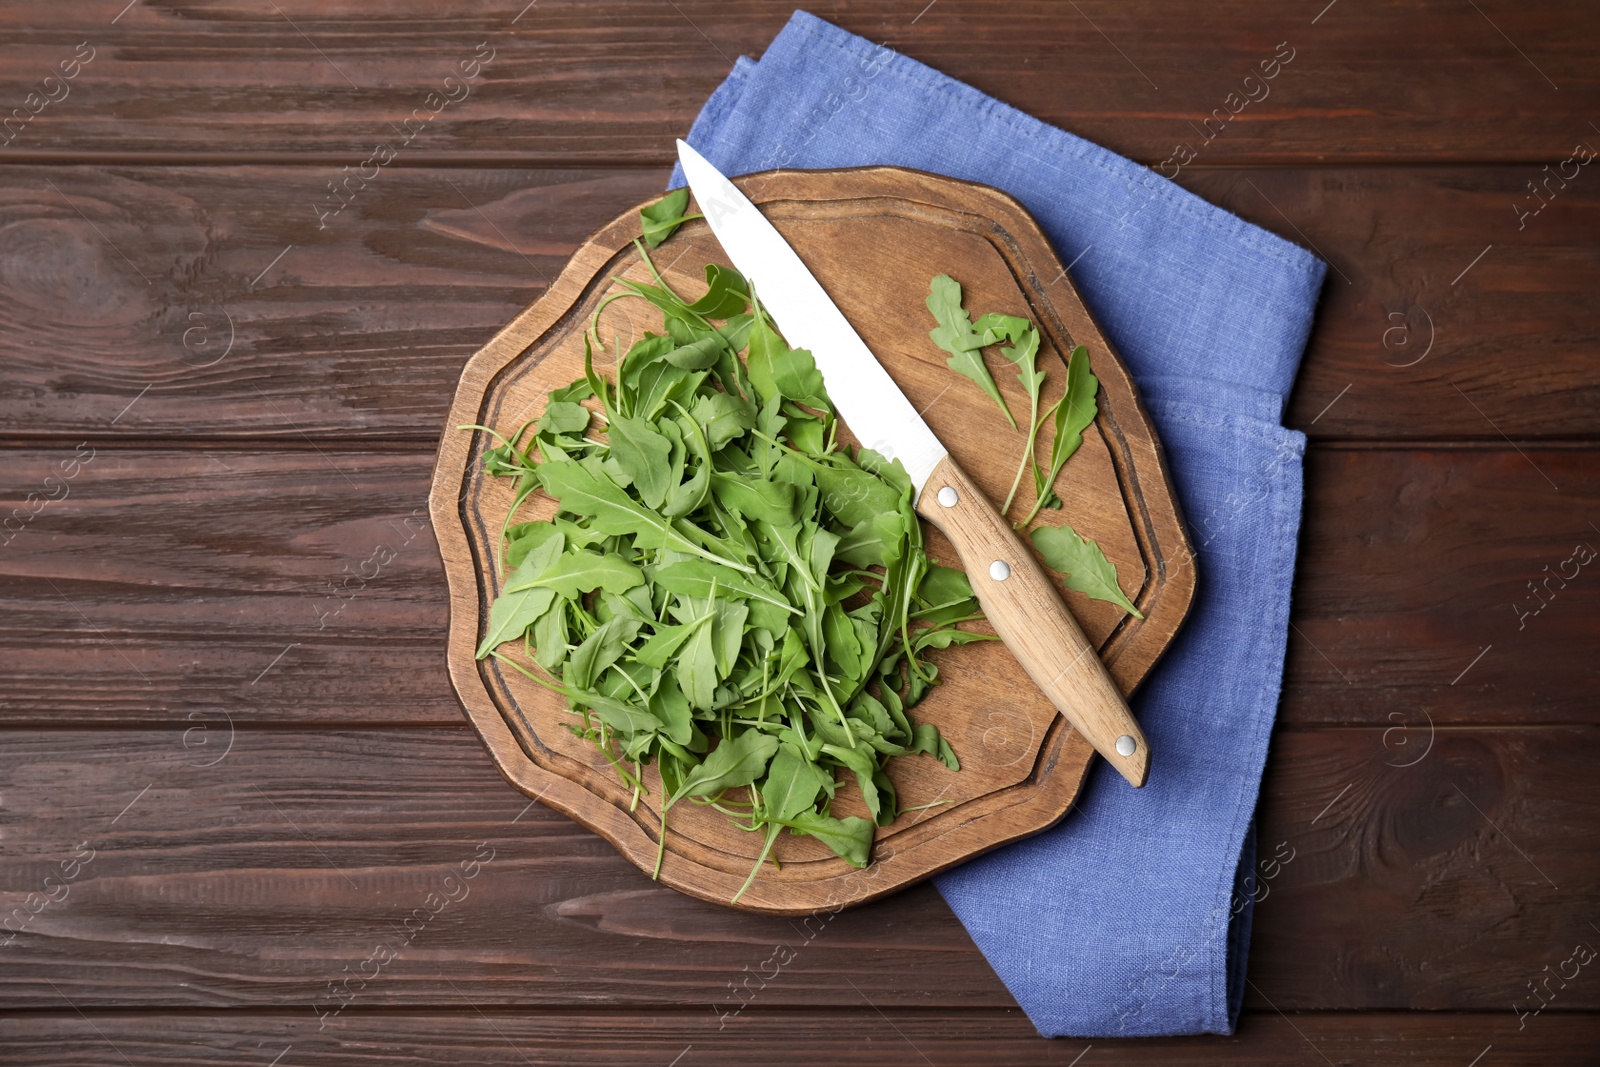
(1132, 917)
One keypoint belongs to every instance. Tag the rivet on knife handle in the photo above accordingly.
(1021, 602)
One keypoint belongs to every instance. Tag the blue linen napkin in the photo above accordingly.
(1132, 917)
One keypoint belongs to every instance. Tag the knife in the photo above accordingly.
(1016, 594)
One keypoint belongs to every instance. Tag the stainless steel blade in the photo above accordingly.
(868, 400)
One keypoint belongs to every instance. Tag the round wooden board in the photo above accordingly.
(874, 237)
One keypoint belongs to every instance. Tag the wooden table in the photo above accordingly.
(243, 819)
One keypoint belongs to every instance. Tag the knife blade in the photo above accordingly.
(1016, 594)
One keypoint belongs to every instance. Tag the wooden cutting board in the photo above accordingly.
(874, 237)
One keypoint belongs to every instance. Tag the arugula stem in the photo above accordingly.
(766, 672)
(594, 320)
(796, 719)
(514, 665)
(661, 842)
(950, 624)
(931, 608)
(1038, 504)
(505, 525)
(705, 553)
(1027, 453)
(498, 436)
(904, 611)
(1043, 492)
(644, 701)
(772, 835)
(661, 282)
(844, 724)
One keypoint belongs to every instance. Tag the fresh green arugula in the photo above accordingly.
(724, 591)
(1073, 413)
(661, 219)
(1081, 563)
(957, 336)
(1080, 560)
(1024, 355)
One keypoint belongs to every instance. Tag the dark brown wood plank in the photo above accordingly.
(1430, 588)
(321, 569)
(1449, 308)
(234, 313)
(206, 301)
(856, 1037)
(272, 876)
(616, 81)
(305, 586)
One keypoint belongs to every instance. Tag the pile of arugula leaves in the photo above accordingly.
(724, 591)
(1079, 560)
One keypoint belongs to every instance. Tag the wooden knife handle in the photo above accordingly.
(1021, 601)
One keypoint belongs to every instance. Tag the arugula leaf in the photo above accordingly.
(760, 501)
(667, 704)
(563, 417)
(1023, 354)
(513, 613)
(583, 572)
(792, 785)
(643, 453)
(723, 418)
(926, 740)
(727, 639)
(663, 646)
(697, 669)
(956, 336)
(776, 370)
(1081, 563)
(661, 219)
(523, 539)
(805, 431)
(581, 492)
(701, 353)
(790, 789)
(842, 643)
(646, 379)
(619, 715)
(948, 638)
(598, 652)
(850, 838)
(1074, 413)
(698, 578)
(853, 495)
(943, 585)
(735, 762)
(994, 328)
(549, 635)
(727, 294)
(873, 541)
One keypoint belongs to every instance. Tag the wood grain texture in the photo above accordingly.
(1430, 587)
(574, 80)
(360, 329)
(194, 570)
(1449, 335)
(854, 1037)
(1022, 765)
(272, 876)
(210, 561)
